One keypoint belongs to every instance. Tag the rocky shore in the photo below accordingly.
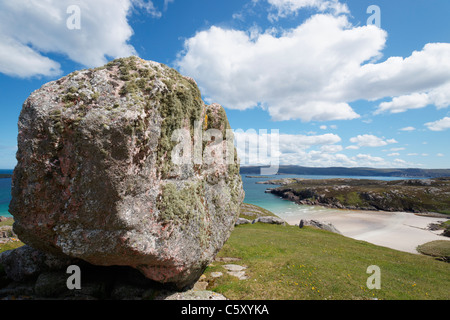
(429, 197)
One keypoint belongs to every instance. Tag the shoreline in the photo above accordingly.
(402, 231)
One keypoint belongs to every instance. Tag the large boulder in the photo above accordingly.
(109, 171)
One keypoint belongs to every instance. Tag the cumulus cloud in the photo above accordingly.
(314, 71)
(291, 73)
(407, 129)
(439, 125)
(31, 29)
(368, 140)
(260, 148)
(305, 150)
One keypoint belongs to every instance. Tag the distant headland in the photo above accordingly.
(342, 171)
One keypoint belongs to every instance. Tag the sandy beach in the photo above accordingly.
(397, 230)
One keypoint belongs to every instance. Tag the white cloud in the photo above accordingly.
(400, 162)
(284, 8)
(439, 125)
(397, 149)
(439, 96)
(368, 140)
(323, 127)
(291, 149)
(297, 149)
(440, 155)
(315, 70)
(407, 129)
(30, 29)
(331, 148)
(412, 154)
(290, 73)
(394, 154)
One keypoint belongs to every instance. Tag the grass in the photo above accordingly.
(10, 245)
(439, 249)
(251, 211)
(8, 222)
(285, 262)
(288, 263)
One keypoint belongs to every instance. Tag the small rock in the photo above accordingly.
(301, 224)
(234, 267)
(194, 295)
(240, 221)
(270, 220)
(238, 274)
(227, 259)
(200, 286)
(321, 225)
(216, 274)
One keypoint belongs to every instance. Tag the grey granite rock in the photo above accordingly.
(97, 179)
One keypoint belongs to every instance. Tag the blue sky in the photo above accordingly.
(340, 92)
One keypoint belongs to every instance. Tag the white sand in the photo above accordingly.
(397, 230)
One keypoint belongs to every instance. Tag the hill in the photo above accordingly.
(342, 171)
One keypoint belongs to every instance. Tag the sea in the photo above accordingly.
(254, 194)
(285, 209)
(5, 193)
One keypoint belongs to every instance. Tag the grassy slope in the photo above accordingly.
(285, 262)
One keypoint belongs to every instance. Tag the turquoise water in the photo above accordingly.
(5, 193)
(254, 194)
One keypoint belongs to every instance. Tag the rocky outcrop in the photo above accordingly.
(28, 274)
(99, 176)
(270, 220)
(320, 225)
(427, 196)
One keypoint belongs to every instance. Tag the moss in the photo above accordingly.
(184, 205)
(128, 88)
(95, 96)
(69, 98)
(73, 89)
(179, 104)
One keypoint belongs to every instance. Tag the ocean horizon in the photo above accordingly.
(254, 193)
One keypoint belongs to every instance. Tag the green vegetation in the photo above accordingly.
(285, 262)
(439, 249)
(10, 245)
(418, 196)
(251, 211)
(7, 222)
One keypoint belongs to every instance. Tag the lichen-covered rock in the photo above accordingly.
(96, 178)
